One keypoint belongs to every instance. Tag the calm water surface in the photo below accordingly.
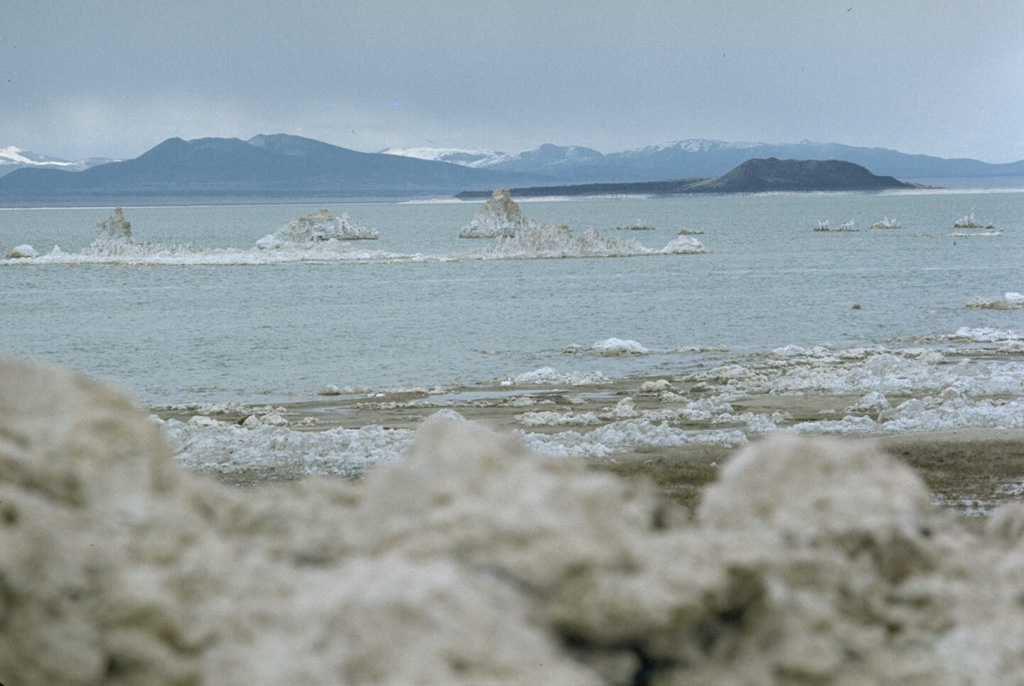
(268, 333)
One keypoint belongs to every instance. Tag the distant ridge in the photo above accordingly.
(703, 158)
(285, 168)
(753, 176)
(13, 158)
(265, 168)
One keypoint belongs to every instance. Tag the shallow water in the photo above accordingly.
(416, 312)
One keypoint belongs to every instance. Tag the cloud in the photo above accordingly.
(109, 78)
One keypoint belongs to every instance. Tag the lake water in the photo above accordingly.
(201, 324)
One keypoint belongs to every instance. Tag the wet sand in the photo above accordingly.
(971, 470)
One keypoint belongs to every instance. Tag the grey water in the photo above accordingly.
(189, 333)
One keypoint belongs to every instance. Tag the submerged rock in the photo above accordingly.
(1009, 301)
(557, 241)
(518, 236)
(471, 560)
(20, 252)
(317, 227)
(616, 347)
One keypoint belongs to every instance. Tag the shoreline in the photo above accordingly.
(969, 470)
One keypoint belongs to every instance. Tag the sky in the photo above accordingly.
(89, 78)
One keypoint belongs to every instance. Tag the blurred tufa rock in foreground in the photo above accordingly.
(472, 561)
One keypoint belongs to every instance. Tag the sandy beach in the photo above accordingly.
(970, 470)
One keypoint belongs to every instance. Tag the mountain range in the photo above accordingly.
(12, 158)
(282, 167)
(707, 159)
(263, 168)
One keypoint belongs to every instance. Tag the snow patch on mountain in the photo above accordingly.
(465, 158)
(13, 155)
(538, 159)
(691, 145)
(12, 158)
(557, 153)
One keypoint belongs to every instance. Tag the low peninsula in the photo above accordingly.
(769, 175)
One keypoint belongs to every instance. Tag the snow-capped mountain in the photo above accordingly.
(465, 158)
(578, 164)
(556, 161)
(691, 145)
(289, 167)
(704, 158)
(550, 159)
(277, 166)
(12, 158)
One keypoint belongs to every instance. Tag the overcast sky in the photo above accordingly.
(83, 78)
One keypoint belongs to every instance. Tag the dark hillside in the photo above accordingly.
(772, 175)
(753, 176)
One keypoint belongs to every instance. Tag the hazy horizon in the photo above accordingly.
(101, 79)
(483, 149)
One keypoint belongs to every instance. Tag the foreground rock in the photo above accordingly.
(472, 561)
